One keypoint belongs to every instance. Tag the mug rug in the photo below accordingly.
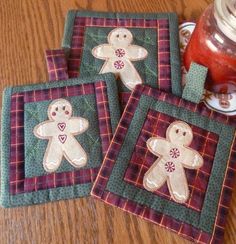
(137, 48)
(54, 137)
(171, 162)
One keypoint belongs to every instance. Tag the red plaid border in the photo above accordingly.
(104, 115)
(56, 65)
(163, 39)
(204, 142)
(18, 182)
(186, 230)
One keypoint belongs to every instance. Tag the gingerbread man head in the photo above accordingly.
(120, 37)
(59, 109)
(180, 133)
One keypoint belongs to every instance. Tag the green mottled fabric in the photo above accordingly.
(35, 147)
(145, 37)
(36, 112)
(195, 80)
(203, 220)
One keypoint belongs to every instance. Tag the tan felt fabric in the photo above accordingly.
(60, 130)
(174, 154)
(119, 54)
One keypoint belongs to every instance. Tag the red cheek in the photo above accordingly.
(66, 112)
(53, 114)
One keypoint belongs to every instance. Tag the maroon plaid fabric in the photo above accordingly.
(199, 178)
(56, 65)
(18, 182)
(104, 115)
(204, 142)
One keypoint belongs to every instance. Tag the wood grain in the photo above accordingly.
(28, 27)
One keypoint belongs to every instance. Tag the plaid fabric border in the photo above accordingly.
(163, 39)
(56, 65)
(18, 182)
(181, 228)
(204, 142)
(104, 115)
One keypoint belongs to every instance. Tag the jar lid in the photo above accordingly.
(225, 14)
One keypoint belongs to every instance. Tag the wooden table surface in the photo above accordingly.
(28, 28)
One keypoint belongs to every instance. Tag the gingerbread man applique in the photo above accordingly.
(174, 154)
(119, 54)
(60, 130)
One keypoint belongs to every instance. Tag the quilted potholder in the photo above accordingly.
(171, 162)
(54, 137)
(137, 48)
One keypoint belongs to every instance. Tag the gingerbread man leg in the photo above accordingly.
(53, 156)
(130, 76)
(177, 184)
(74, 153)
(107, 67)
(155, 177)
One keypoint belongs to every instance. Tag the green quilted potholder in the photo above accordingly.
(54, 137)
(137, 48)
(172, 162)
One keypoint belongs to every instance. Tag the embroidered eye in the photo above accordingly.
(125, 36)
(117, 35)
(56, 108)
(64, 107)
(184, 134)
(177, 131)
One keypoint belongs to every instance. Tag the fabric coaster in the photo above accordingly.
(136, 47)
(171, 162)
(54, 137)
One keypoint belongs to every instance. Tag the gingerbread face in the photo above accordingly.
(179, 133)
(59, 110)
(120, 37)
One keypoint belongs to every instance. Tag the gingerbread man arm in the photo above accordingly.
(44, 130)
(158, 146)
(78, 125)
(136, 53)
(192, 159)
(103, 51)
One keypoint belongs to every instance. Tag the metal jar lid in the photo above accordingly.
(225, 15)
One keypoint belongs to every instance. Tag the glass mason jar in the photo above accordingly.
(213, 44)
